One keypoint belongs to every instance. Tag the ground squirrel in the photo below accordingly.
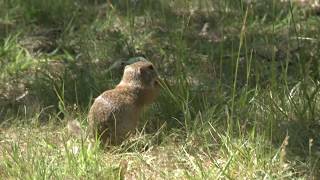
(115, 113)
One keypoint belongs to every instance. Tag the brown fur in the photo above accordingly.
(115, 113)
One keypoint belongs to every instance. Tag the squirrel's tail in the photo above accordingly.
(74, 128)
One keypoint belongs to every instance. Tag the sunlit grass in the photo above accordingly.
(48, 152)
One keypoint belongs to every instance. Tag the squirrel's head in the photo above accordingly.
(141, 77)
(141, 73)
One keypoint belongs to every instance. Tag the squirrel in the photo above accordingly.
(115, 113)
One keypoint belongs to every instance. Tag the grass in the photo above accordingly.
(240, 98)
(47, 152)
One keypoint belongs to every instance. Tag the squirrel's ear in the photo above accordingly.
(150, 67)
(146, 68)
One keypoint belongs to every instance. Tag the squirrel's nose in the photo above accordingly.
(158, 82)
